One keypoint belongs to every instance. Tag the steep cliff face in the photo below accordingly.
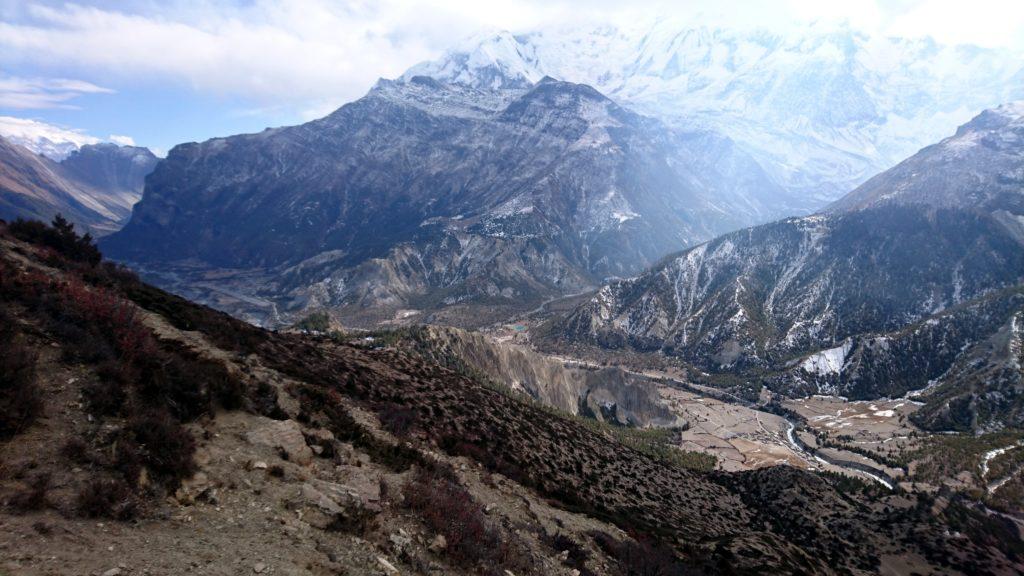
(95, 187)
(119, 172)
(885, 291)
(608, 394)
(424, 194)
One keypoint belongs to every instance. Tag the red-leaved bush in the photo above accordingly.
(104, 311)
(450, 510)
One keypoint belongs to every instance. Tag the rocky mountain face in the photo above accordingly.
(424, 195)
(119, 171)
(94, 187)
(982, 387)
(822, 109)
(608, 394)
(912, 279)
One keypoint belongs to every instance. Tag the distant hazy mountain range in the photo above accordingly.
(822, 110)
(913, 279)
(94, 186)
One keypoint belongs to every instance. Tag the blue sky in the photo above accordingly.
(164, 72)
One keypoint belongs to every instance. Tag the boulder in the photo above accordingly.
(285, 436)
(329, 504)
(439, 544)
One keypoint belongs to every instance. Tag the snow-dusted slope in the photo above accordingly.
(822, 110)
(980, 167)
(891, 288)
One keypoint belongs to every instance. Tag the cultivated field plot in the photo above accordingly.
(880, 426)
(740, 437)
(875, 433)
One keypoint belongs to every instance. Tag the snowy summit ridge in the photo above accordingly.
(822, 109)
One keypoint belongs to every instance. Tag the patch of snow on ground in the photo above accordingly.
(828, 361)
(993, 453)
(959, 144)
(624, 216)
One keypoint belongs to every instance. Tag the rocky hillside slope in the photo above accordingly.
(94, 187)
(822, 108)
(237, 450)
(882, 294)
(608, 394)
(424, 195)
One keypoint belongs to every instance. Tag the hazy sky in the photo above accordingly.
(165, 71)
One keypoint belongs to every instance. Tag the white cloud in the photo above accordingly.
(41, 93)
(268, 52)
(311, 55)
(982, 22)
(50, 140)
(33, 129)
(42, 138)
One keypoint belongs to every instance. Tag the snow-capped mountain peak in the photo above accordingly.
(54, 142)
(979, 167)
(822, 110)
(494, 61)
(1007, 116)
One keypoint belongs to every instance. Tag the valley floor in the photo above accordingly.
(873, 441)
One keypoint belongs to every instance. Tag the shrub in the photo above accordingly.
(60, 236)
(640, 556)
(187, 384)
(20, 398)
(34, 495)
(398, 420)
(577, 555)
(107, 316)
(97, 326)
(450, 510)
(107, 498)
(76, 450)
(107, 395)
(227, 391)
(164, 446)
(264, 401)
(80, 345)
(315, 322)
(110, 275)
(165, 380)
(127, 459)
